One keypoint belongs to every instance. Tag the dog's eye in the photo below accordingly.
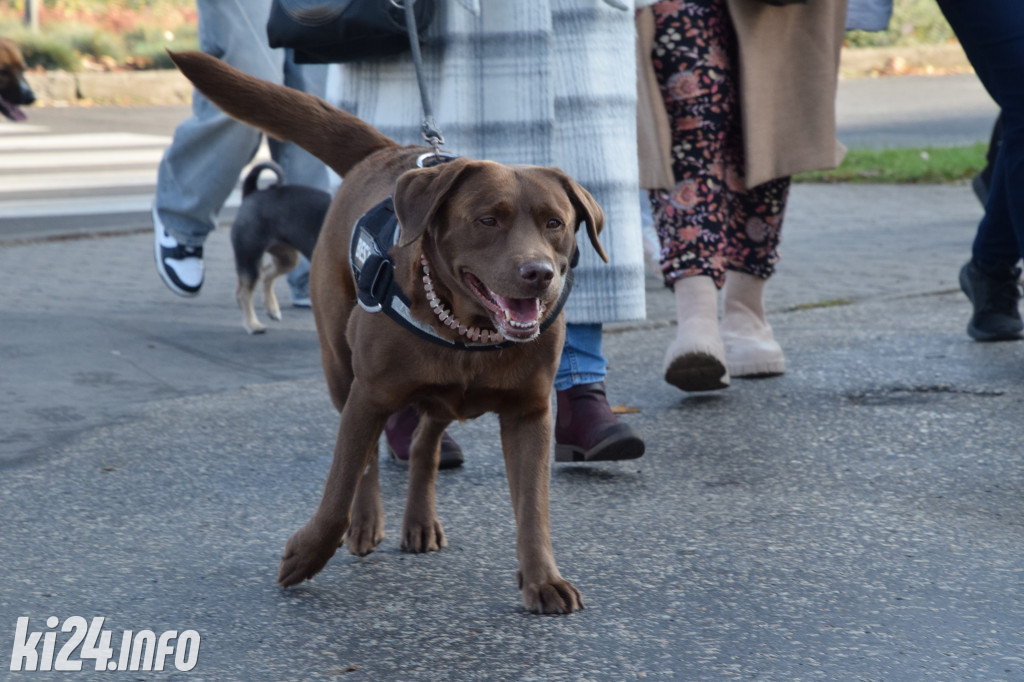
(555, 224)
(488, 221)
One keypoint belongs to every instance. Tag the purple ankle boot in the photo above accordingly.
(586, 430)
(398, 435)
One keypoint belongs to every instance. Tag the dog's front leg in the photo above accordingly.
(367, 527)
(526, 440)
(421, 529)
(309, 548)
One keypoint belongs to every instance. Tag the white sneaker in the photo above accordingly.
(179, 266)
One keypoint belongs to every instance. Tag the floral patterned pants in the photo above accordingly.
(710, 222)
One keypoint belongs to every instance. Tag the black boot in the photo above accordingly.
(995, 296)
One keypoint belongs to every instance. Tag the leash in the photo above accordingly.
(431, 131)
(377, 230)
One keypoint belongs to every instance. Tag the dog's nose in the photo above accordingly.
(537, 274)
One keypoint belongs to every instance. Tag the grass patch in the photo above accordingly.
(909, 165)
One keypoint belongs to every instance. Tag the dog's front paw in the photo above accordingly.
(422, 536)
(552, 596)
(364, 536)
(305, 554)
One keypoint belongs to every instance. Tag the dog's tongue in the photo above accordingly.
(11, 111)
(523, 310)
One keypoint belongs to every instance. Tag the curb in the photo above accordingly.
(122, 88)
(169, 87)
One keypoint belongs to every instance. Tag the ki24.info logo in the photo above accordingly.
(142, 650)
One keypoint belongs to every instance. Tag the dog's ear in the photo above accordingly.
(587, 210)
(422, 192)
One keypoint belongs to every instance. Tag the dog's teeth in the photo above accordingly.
(508, 315)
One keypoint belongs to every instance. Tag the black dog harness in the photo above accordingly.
(372, 237)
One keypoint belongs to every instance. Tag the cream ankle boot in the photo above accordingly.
(695, 360)
(750, 348)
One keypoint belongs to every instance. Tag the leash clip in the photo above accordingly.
(430, 159)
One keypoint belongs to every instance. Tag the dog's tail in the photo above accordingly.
(249, 185)
(337, 138)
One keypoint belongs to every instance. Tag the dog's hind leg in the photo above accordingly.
(283, 260)
(421, 529)
(367, 529)
(310, 548)
(244, 296)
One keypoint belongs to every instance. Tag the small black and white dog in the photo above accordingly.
(281, 221)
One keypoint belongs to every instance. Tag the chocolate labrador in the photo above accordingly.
(458, 313)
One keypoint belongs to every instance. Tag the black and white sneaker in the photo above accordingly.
(179, 266)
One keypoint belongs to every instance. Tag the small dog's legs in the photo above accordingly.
(310, 548)
(283, 260)
(421, 529)
(525, 440)
(244, 295)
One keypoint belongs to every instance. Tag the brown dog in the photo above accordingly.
(14, 89)
(483, 254)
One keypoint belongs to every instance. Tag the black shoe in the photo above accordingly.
(996, 317)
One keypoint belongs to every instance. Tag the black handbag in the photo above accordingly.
(329, 31)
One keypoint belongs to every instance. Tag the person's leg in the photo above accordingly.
(696, 66)
(586, 429)
(992, 35)
(983, 180)
(750, 347)
(209, 150)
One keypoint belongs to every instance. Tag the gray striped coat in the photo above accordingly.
(544, 82)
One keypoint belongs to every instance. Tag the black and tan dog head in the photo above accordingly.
(500, 238)
(14, 90)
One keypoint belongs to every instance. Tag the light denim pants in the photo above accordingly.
(210, 149)
(582, 361)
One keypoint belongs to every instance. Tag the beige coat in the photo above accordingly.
(789, 61)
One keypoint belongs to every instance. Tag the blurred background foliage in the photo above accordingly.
(914, 22)
(133, 34)
(76, 35)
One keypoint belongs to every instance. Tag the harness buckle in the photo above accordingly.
(375, 280)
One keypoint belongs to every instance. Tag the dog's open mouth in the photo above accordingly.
(517, 319)
(11, 110)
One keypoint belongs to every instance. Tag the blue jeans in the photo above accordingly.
(582, 361)
(992, 35)
(203, 164)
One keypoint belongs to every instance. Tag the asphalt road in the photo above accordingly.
(859, 518)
